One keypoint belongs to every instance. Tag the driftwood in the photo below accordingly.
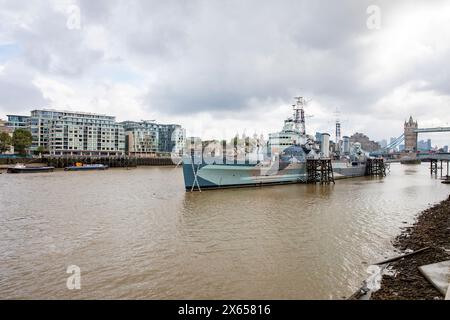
(402, 256)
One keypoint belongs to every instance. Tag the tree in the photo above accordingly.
(5, 141)
(21, 140)
(40, 150)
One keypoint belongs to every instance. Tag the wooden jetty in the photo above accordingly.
(435, 168)
(319, 171)
(376, 167)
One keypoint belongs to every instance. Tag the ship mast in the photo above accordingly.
(338, 125)
(299, 114)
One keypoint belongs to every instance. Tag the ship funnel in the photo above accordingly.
(325, 145)
(346, 145)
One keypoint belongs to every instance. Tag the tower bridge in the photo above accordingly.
(412, 131)
(409, 137)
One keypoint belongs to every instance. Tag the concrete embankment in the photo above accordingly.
(432, 229)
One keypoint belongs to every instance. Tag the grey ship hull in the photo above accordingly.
(341, 172)
(217, 176)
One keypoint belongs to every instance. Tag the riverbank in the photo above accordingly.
(432, 229)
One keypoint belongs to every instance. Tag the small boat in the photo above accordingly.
(86, 167)
(446, 181)
(20, 168)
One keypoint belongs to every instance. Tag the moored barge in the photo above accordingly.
(24, 169)
(86, 167)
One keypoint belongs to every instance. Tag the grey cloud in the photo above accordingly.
(17, 91)
(255, 50)
(49, 46)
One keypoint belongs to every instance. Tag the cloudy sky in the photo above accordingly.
(221, 66)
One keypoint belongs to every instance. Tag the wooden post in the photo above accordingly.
(332, 173)
(433, 166)
(402, 256)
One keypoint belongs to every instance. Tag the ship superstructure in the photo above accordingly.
(293, 132)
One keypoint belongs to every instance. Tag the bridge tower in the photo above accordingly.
(411, 135)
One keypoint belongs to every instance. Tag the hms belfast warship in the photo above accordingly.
(281, 161)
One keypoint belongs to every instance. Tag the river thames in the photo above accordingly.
(136, 234)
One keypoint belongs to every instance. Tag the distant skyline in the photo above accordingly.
(221, 67)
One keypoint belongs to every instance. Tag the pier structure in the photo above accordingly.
(437, 165)
(376, 167)
(319, 171)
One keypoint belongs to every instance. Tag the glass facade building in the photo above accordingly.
(149, 137)
(17, 121)
(76, 133)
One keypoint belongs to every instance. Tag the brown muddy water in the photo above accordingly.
(137, 234)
